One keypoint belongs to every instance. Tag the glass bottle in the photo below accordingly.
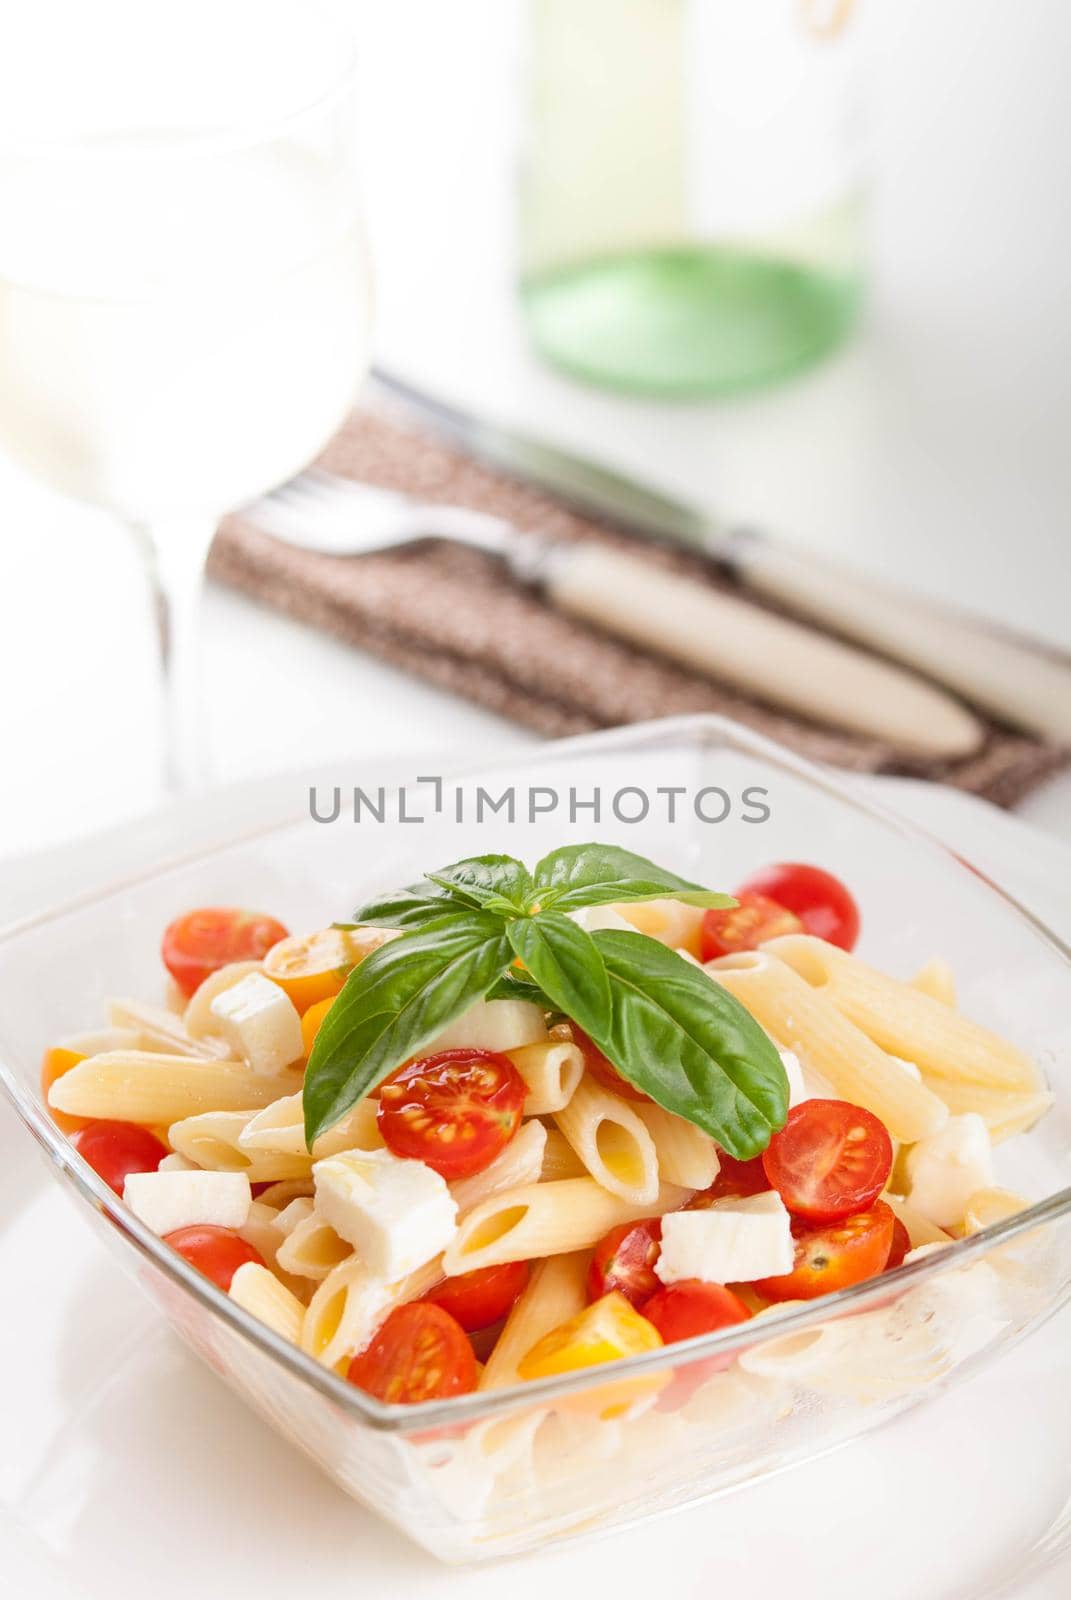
(692, 191)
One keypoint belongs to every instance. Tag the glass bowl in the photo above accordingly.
(500, 1472)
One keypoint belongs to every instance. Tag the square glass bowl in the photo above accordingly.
(496, 1473)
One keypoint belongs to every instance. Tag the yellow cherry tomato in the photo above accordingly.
(55, 1063)
(313, 967)
(310, 1023)
(604, 1331)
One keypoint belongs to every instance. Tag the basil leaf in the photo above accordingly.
(396, 1000)
(566, 964)
(485, 879)
(598, 874)
(690, 1045)
(406, 908)
(514, 987)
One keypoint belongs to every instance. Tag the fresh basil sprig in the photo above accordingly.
(463, 931)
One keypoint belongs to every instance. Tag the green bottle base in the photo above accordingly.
(687, 323)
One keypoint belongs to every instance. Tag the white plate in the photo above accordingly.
(108, 1422)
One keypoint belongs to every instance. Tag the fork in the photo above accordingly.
(780, 661)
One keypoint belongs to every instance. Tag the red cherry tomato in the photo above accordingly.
(217, 1252)
(477, 1299)
(830, 1160)
(689, 1308)
(200, 942)
(901, 1244)
(116, 1149)
(735, 1181)
(602, 1068)
(456, 1110)
(420, 1353)
(624, 1260)
(744, 927)
(819, 900)
(834, 1257)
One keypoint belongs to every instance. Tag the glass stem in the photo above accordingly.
(174, 555)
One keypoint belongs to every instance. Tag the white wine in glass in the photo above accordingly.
(183, 280)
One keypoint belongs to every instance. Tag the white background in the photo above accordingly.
(934, 450)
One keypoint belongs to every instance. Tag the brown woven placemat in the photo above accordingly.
(453, 616)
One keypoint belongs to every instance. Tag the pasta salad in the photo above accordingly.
(509, 1124)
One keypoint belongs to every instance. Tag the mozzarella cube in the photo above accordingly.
(260, 1022)
(165, 1201)
(947, 1167)
(593, 918)
(797, 1088)
(735, 1241)
(492, 1025)
(396, 1214)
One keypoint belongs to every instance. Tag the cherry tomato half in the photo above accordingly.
(456, 1110)
(624, 1260)
(477, 1299)
(420, 1353)
(689, 1308)
(311, 967)
(744, 927)
(833, 1257)
(200, 942)
(116, 1149)
(55, 1063)
(217, 1252)
(735, 1181)
(830, 1160)
(819, 900)
(901, 1244)
(602, 1068)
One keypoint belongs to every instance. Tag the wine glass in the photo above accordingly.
(183, 277)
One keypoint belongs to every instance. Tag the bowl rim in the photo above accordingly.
(698, 730)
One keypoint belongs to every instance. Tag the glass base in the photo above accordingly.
(687, 322)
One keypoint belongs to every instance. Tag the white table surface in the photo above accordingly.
(932, 451)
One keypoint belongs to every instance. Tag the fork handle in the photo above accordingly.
(782, 662)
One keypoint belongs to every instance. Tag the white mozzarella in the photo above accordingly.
(735, 1241)
(948, 1167)
(165, 1201)
(797, 1088)
(594, 918)
(396, 1214)
(492, 1025)
(906, 1066)
(260, 1022)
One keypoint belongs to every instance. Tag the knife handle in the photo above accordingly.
(1019, 684)
(782, 662)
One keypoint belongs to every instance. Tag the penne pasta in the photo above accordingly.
(920, 1229)
(686, 1155)
(520, 1162)
(545, 1219)
(555, 1292)
(904, 1021)
(611, 1141)
(280, 1127)
(350, 1304)
(160, 1029)
(260, 1293)
(560, 1160)
(802, 1019)
(311, 1248)
(1004, 1111)
(95, 1042)
(213, 1140)
(197, 1018)
(671, 922)
(551, 1069)
(280, 1195)
(143, 1086)
(937, 980)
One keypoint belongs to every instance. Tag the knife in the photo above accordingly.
(1017, 681)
